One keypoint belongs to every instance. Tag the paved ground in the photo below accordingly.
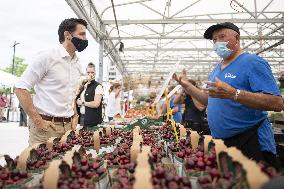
(13, 139)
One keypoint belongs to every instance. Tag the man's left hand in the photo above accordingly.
(220, 89)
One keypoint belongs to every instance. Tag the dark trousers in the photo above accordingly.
(248, 143)
(82, 122)
(201, 127)
(82, 116)
(23, 118)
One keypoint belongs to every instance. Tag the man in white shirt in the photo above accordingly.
(54, 74)
(90, 100)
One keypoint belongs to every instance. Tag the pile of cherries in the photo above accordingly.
(10, 175)
(167, 178)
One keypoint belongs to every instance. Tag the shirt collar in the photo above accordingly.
(63, 53)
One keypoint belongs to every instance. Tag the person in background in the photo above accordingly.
(3, 105)
(113, 105)
(176, 108)
(55, 76)
(161, 105)
(125, 104)
(89, 99)
(194, 115)
(23, 117)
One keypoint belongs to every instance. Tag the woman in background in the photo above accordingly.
(113, 105)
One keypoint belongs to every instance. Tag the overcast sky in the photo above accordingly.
(34, 24)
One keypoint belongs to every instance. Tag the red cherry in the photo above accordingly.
(201, 165)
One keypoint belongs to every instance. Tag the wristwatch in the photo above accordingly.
(238, 91)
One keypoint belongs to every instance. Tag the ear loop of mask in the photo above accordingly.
(69, 38)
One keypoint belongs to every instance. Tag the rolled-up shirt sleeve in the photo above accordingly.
(34, 72)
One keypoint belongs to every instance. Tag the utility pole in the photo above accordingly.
(13, 65)
(13, 72)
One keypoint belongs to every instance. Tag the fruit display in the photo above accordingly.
(37, 159)
(58, 147)
(123, 176)
(106, 140)
(167, 132)
(87, 168)
(162, 178)
(71, 140)
(196, 160)
(148, 139)
(86, 138)
(157, 148)
(44, 153)
(120, 156)
(132, 113)
(62, 148)
(186, 163)
(72, 179)
(35, 162)
(217, 180)
(117, 133)
(183, 146)
(157, 153)
(165, 178)
(11, 176)
(75, 171)
(127, 138)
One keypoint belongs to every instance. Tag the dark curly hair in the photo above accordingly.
(70, 26)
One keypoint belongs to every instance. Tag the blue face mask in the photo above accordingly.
(222, 50)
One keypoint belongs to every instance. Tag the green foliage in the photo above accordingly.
(19, 67)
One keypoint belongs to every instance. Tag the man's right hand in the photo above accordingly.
(43, 124)
(181, 77)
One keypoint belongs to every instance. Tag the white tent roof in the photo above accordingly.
(156, 33)
(7, 79)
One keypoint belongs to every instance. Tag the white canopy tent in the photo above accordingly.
(7, 79)
(156, 33)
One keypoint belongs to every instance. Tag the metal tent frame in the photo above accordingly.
(156, 33)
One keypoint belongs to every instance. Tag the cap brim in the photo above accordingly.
(209, 32)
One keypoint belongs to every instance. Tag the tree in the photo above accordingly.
(19, 67)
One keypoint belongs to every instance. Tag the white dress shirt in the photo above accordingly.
(98, 91)
(55, 77)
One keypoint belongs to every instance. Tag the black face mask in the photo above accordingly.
(79, 44)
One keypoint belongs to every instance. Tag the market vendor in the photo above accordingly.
(240, 90)
(55, 75)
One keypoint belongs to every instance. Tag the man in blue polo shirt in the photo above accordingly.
(241, 88)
